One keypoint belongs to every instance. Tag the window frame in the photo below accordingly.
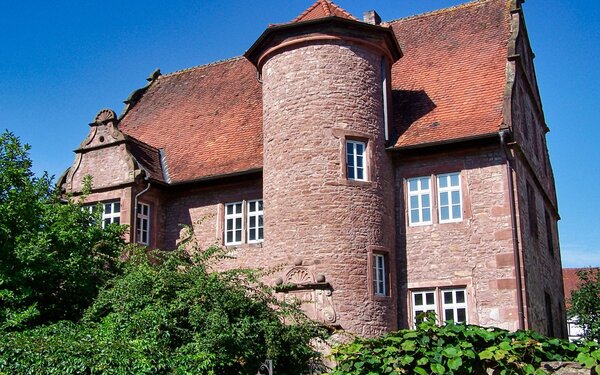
(259, 215)
(354, 167)
(233, 216)
(381, 275)
(112, 215)
(439, 306)
(142, 218)
(419, 193)
(449, 189)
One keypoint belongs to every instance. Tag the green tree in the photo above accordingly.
(170, 313)
(53, 259)
(585, 303)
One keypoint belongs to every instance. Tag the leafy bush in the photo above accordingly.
(169, 313)
(585, 303)
(459, 349)
(52, 261)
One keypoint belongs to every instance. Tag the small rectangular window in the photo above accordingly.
(111, 213)
(419, 200)
(449, 197)
(143, 223)
(255, 221)
(549, 234)
(356, 160)
(454, 305)
(423, 302)
(549, 315)
(532, 210)
(233, 223)
(380, 275)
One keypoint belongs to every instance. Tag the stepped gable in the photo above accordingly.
(322, 9)
(450, 83)
(207, 120)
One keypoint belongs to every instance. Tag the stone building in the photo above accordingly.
(389, 168)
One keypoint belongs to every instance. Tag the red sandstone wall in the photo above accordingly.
(477, 252)
(314, 96)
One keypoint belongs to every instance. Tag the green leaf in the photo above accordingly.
(486, 354)
(408, 345)
(437, 368)
(420, 371)
(455, 363)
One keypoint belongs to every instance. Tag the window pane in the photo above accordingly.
(444, 199)
(426, 214)
(443, 181)
(252, 206)
(229, 237)
(252, 235)
(106, 222)
(425, 183)
(456, 214)
(429, 298)
(350, 172)
(454, 179)
(260, 205)
(449, 314)
(117, 220)
(229, 209)
(359, 174)
(414, 216)
(108, 208)
(418, 299)
(412, 184)
(229, 223)
(252, 221)
(460, 296)
(461, 315)
(260, 234)
(238, 208)
(116, 207)
(414, 201)
(447, 297)
(444, 213)
(238, 235)
(426, 201)
(455, 196)
(360, 148)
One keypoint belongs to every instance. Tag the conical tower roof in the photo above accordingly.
(322, 9)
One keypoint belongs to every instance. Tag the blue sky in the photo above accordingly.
(62, 61)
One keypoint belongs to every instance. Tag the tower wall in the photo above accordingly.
(315, 96)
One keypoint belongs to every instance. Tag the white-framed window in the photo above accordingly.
(380, 275)
(419, 200)
(255, 221)
(143, 223)
(234, 218)
(423, 302)
(356, 163)
(454, 305)
(244, 222)
(449, 197)
(111, 212)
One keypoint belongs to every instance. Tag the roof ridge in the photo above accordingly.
(177, 72)
(443, 10)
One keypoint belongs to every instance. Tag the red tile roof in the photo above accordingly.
(448, 86)
(208, 120)
(450, 83)
(321, 9)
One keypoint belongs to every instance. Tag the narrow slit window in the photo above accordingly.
(380, 275)
(233, 223)
(143, 224)
(255, 221)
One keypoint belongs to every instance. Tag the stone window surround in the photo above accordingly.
(352, 135)
(390, 273)
(433, 173)
(354, 154)
(220, 227)
(439, 302)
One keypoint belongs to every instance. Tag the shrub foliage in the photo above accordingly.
(169, 313)
(459, 349)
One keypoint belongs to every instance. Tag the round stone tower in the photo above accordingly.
(328, 187)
